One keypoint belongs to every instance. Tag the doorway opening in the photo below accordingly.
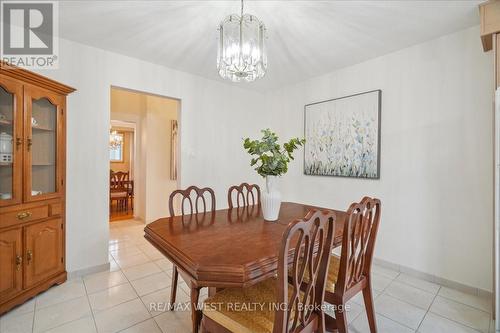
(121, 160)
(144, 154)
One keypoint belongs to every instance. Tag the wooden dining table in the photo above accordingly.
(228, 247)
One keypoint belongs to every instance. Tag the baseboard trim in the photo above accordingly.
(433, 278)
(88, 270)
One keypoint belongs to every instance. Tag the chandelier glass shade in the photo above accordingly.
(115, 140)
(241, 52)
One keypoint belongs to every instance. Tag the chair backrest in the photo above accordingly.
(358, 243)
(119, 181)
(312, 239)
(194, 196)
(245, 195)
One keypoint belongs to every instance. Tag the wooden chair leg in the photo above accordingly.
(211, 291)
(173, 288)
(196, 314)
(370, 309)
(203, 329)
(330, 323)
(341, 318)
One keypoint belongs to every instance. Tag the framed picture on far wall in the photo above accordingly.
(343, 136)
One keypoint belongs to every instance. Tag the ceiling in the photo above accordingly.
(305, 38)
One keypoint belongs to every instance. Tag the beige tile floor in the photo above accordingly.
(119, 300)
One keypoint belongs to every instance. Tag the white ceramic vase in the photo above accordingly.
(271, 199)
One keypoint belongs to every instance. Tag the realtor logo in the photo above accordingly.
(29, 31)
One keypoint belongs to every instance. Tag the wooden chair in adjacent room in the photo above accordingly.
(350, 273)
(198, 205)
(119, 189)
(284, 307)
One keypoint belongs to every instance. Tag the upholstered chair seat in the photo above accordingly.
(118, 194)
(260, 301)
(333, 274)
(258, 316)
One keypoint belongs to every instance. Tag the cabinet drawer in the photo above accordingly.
(24, 215)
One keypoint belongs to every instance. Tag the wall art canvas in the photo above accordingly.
(343, 136)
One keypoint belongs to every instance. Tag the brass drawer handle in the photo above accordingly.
(29, 256)
(30, 143)
(19, 262)
(23, 215)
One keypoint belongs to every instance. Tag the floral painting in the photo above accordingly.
(343, 136)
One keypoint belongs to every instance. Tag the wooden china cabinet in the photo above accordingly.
(32, 184)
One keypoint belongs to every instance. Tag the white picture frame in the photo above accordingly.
(343, 136)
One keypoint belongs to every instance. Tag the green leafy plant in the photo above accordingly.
(271, 158)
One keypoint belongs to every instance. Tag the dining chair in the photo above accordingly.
(195, 197)
(131, 192)
(246, 195)
(119, 190)
(349, 274)
(111, 180)
(281, 306)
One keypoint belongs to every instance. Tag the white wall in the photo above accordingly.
(436, 179)
(214, 117)
(436, 172)
(159, 113)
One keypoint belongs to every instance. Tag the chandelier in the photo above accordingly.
(115, 140)
(241, 54)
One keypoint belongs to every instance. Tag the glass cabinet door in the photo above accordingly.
(11, 134)
(43, 141)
